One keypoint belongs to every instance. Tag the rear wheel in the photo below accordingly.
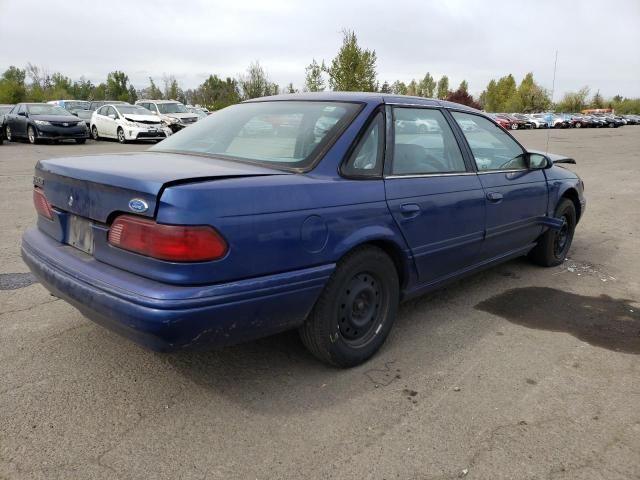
(8, 134)
(121, 137)
(94, 133)
(578, 125)
(514, 126)
(31, 135)
(355, 311)
(553, 246)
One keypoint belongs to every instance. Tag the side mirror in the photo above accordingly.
(537, 161)
(22, 114)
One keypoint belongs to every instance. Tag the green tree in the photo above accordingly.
(217, 93)
(12, 85)
(427, 86)
(385, 88)
(291, 88)
(573, 101)
(443, 87)
(412, 88)
(530, 97)
(464, 87)
(172, 90)
(117, 86)
(399, 88)
(152, 92)
(354, 68)
(597, 101)
(255, 83)
(313, 78)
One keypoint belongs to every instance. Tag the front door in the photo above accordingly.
(516, 196)
(435, 198)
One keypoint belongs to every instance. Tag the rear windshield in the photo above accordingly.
(281, 134)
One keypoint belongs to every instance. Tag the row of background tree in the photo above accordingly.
(353, 69)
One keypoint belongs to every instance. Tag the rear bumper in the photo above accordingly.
(170, 317)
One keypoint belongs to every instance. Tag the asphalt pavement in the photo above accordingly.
(519, 372)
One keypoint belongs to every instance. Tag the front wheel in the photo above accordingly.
(94, 133)
(8, 134)
(578, 125)
(553, 246)
(31, 135)
(514, 126)
(356, 310)
(121, 137)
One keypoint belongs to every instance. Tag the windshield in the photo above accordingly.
(285, 133)
(45, 109)
(76, 105)
(133, 110)
(172, 108)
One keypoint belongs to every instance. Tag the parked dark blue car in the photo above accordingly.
(297, 211)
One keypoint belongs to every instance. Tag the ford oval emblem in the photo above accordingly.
(138, 205)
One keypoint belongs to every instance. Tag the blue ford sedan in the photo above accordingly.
(319, 212)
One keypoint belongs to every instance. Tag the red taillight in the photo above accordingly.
(177, 243)
(42, 204)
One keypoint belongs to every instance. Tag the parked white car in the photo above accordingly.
(127, 122)
(538, 120)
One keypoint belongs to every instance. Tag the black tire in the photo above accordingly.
(356, 310)
(514, 126)
(578, 125)
(121, 138)
(81, 141)
(31, 135)
(554, 245)
(94, 133)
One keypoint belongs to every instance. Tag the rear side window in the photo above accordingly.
(366, 158)
(424, 143)
(492, 147)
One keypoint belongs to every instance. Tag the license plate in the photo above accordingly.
(80, 234)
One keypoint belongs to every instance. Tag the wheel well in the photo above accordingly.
(572, 195)
(395, 253)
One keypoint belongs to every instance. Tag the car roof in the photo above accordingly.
(365, 97)
(158, 101)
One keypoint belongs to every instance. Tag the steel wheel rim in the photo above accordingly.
(561, 240)
(361, 309)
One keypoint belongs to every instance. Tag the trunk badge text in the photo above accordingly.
(138, 205)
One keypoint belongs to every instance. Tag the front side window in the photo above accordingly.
(492, 147)
(424, 143)
(286, 134)
(366, 159)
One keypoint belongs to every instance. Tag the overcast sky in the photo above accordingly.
(598, 41)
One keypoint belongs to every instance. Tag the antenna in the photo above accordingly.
(553, 89)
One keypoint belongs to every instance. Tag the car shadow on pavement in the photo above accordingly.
(264, 373)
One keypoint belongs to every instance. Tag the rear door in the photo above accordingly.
(434, 196)
(19, 121)
(110, 124)
(516, 196)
